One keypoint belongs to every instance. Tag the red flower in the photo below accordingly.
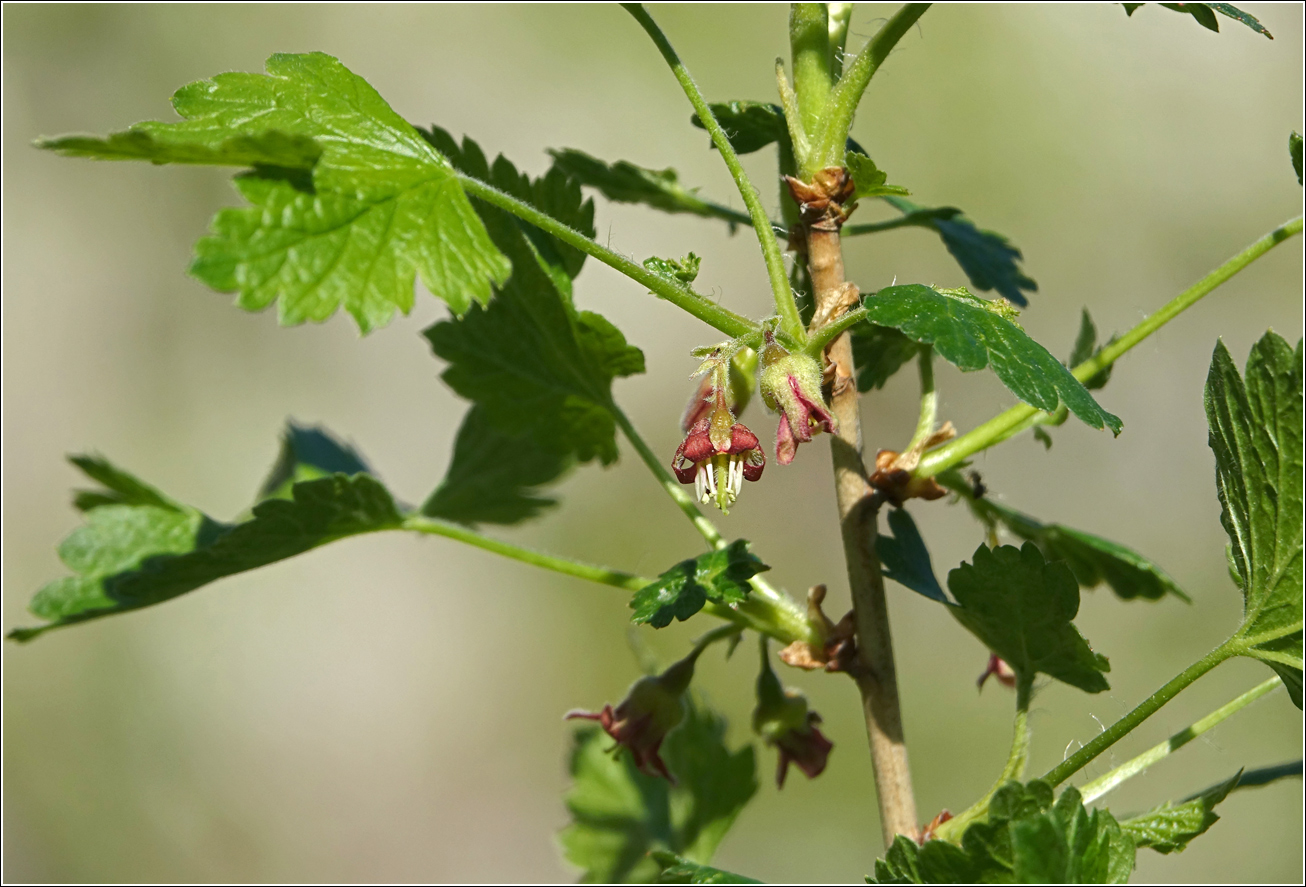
(791, 384)
(783, 720)
(999, 669)
(718, 455)
(652, 707)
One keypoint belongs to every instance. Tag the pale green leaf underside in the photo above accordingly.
(970, 334)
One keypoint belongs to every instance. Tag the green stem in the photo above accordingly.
(809, 44)
(1149, 706)
(1014, 769)
(840, 14)
(1103, 784)
(821, 338)
(709, 312)
(1013, 420)
(785, 306)
(828, 146)
(929, 414)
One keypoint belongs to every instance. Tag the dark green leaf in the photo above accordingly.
(1091, 558)
(1069, 845)
(349, 203)
(1169, 828)
(1294, 151)
(972, 333)
(492, 477)
(1256, 434)
(720, 576)
(1266, 775)
(905, 559)
(625, 182)
(269, 148)
(619, 815)
(1085, 347)
(308, 454)
(141, 549)
(878, 353)
(678, 870)
(121, 488)
(1021, 608)
(1204, 14)
(869, 179)
(749, 126)
(986, 256)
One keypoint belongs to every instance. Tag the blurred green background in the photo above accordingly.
(390, 708)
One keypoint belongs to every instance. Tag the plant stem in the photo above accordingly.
(1103, 784)
(828, 146)
(790, 320)
(875, 671)
(709, 312)
(840, 14)
(1014, 769)
(1004, 425)
(809, 44)
(1149, 706)
(769, 609)
(929, 414)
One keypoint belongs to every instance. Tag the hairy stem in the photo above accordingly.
(876, 673)
(809, 44)
(1103, 784)
(790, 321)
(827, 149)
(1149, 706)
(840, 14)
(1006, 424)
(682, 297)
(929, 414)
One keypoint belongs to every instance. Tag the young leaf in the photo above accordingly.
(878, 353)
(905, 559)
(137, 549)
(1256, 435)
(986, 256)
(750, 126)
(678, 870)
(720, 576)
(972, 333)
(625, 182)
(682, 271)
(1091, 558)
(619, 815)
(493, 476)
(1021, 607)
(869, 179)
(1169, 828)
(1204, 14)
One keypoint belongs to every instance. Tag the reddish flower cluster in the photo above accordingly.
(783, 720)
(791, 384)
(718, 455)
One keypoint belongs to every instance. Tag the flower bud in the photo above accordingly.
(791, 384)
(783, 720)
(999, 669)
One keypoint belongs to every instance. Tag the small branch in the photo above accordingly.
(1016, 419)
(709, 312)
(929, 414)
(809, 45)
(828, 146)
(840, 14)
(821, 338)
(775, 267)
(1103, 784)
(1149, 706)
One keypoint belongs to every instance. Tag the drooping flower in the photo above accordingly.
(999, 669)
(783, 720)
(718, 455)
(791, 384)
(652, 707)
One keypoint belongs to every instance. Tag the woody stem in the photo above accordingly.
(875, 672)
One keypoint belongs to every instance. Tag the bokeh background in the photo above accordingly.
(389, 708)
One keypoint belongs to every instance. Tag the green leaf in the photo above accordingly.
(905, 559)
(1091, 558)
(1169, 828)
(682, 271)
(1086, 347)
(878, 353)
(972, 333)
(988, 259)
(379, 208)
(139, 548)
(1294, 151)
(1021, 607)
(678, 870)
(1069, 845)
(538, 368)
(749, 126)
(619, 815)
(625, 182)
(1204, 14)
(1256, 434)
(493, 476)
(158, 143)
(720, 576)
(308, 454)
(868, 178)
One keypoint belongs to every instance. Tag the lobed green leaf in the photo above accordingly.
(749, 126)
(1169, 828)
(720, 576)
(1021, 607)
(972, 333)
(868, 179)
(1256, 435)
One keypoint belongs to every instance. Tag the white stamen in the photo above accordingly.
(698, 485)
(711, 480)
